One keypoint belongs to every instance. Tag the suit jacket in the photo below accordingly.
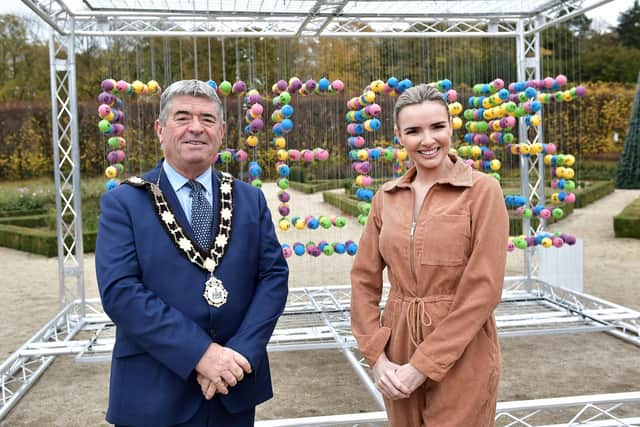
(154, 295)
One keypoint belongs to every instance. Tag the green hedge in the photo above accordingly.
(594, 191)
(38, 241)
(627, 222)
(318, 185)
(342, 202)
(30, 221)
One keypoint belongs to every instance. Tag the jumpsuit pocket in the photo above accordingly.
(446, 240)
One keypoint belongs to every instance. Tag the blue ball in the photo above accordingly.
(352, 249)
(339, 248)
(530, 92)
(287, 110)
(213, 84)
(298, 249)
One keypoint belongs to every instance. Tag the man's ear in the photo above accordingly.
(158, 128)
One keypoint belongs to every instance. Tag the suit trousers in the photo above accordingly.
(213, 414)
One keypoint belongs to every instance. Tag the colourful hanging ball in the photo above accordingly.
(104, 110)
(284, 224)
(280, 142)
(111, 172)
(105, 126)
(558, 213)
(294, 154)
(284, 98)
(138, 87)
(299, 249)
(239, 87)
(307, 155)
(108, 85)
(322, 155)
(226, 156)
(283, 183)
(283, 209)
(352, 248)
(256, 125)
(284, 171)
(153, 86)
(111, 184)
(252, 141)
(257, 183)
(225, 88)
(377, 86)
(286, 250)
(581, 91)
(337, 85)
(240, 155)
(511, 246)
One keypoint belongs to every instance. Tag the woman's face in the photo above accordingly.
(425, 131)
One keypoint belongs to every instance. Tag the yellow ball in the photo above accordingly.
(369, 96)
(138, 86)
(535, 120)
(536, 148)
(569, 173)
(486, 103)
(547, 159)
(153, 86)
(363, 155)
(555, 198)
(282, 155)
(377, 86)
(284, 224)
(359, 180)
(402, 155)
(560, 171)
(495, 165)
(111, 172)
(455, 108)
(280, 142)
(299, 225)
(252, 141)
(457, 123)
(566, 95)
(546, 242)
(525, 148)
(476, 151)
(569, 160)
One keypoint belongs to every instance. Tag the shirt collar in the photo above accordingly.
(459, 176)
(178, 181)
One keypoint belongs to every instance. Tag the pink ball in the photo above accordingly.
(257, 110)
(337, 85)
(358, 142)
(548, 82)
(470, 162)
(551, 148)
(322, 154)
(558, 242)
(287, 251)
(554, 183)
(373, 110)
(307, 155)
(510, 246)
(104, 110)
(570, 198)
(561, 79)
(452, 95)
(545, 213)
(498, 84)
(122, 86)
(241, 155)
(366, 181)
(294, 154)
(512, 87)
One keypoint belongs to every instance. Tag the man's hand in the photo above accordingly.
(386, 379)
(219, 368)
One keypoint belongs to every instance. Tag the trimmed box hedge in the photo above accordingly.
(627, 222)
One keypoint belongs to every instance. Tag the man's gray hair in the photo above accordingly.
(195, 88)
(417, 95)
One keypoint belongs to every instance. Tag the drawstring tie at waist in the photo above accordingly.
(417, 317)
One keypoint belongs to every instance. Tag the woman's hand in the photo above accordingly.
(386, 379)
(410, 377)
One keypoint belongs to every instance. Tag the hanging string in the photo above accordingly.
(195, 58)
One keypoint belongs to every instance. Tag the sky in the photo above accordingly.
(603, 16)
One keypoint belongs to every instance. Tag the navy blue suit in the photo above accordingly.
(154, 296)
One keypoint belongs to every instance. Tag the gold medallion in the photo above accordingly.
(215, 292)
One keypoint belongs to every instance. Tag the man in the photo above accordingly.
(192, 274)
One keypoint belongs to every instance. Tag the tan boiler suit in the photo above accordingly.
(446, 269)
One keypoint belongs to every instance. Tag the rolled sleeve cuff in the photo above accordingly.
(373, 345)
(427, 366)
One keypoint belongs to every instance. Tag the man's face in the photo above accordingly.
(192, 134)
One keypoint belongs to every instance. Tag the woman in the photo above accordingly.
(441, 231)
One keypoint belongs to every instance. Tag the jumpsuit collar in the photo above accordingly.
(459, 176)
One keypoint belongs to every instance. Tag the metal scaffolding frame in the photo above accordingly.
(314, 317)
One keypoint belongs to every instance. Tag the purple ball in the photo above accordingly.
(239, 87)
(310, 84)
(581, 91)
(282, 85)
(284, 197)
(106, 98)
(254, 98)
(283, 210)
(256, 125)
(108, 85)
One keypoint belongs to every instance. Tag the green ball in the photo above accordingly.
(569, 185)
(362, 219)
(325, 222)
(285, 98)
(496, 175)
(327, 250)
(527, 213)
(520, 243)
(113, 142)
(341, 221)
(558, 213)
(257, 183)
(283, 183)
(104, 125)
(226, 157)
(225, 87)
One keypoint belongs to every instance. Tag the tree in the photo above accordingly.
(629, 167)
(629, 27)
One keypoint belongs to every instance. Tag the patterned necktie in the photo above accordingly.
(201, 214)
